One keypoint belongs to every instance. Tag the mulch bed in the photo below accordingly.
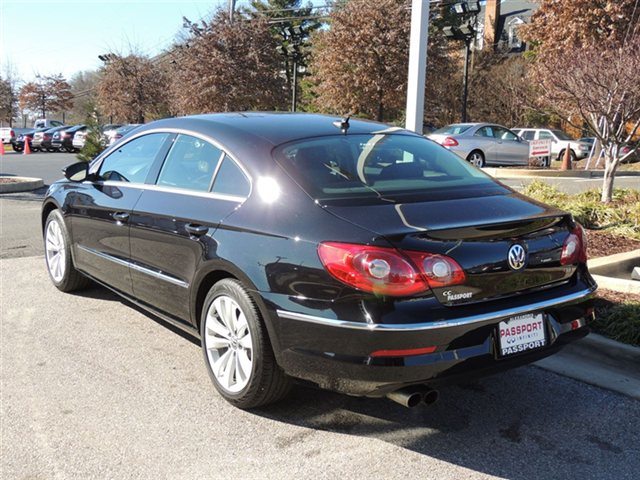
(602, 244)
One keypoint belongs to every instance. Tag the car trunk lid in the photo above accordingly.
(506, 244)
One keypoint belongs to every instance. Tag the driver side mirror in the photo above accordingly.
(77, 172)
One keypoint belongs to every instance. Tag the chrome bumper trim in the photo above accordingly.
(407, 327)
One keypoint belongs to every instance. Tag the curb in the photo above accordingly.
(517, 172)
(599, 361)
(612, 282)
(23, 184)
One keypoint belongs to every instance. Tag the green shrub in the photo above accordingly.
(619, 217)
(619, 321)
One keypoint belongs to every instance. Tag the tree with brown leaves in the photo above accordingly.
(586, 61)
(359, 65)
(47, 94)
(132, 87)
(225, 66)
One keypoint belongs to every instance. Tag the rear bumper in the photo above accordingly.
(335, 354)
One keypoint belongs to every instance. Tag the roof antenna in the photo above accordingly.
(343, 124)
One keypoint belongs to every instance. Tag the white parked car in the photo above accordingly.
(79, 139)
(7, 134)
(559, 141)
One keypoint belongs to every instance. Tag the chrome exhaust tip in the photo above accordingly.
(407, 397)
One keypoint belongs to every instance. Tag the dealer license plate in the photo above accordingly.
(522, 333)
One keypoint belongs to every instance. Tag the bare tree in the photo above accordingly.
(603, 85)
(501, 91)
(48, 93)
(223, 66)
(586, 61)
(131, 87)
(85, 97)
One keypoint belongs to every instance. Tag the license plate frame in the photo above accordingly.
(521, 334)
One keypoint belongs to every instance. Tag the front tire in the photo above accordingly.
(236, 348)
(476, 158)
(57, 253)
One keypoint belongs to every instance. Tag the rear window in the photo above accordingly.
(452, 129)
(381, 166)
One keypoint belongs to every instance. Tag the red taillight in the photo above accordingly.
(386, 271)
(450, 142)
(439, 270)
(574, 248)
(12, 133)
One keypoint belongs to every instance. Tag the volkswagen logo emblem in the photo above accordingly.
(516, 257)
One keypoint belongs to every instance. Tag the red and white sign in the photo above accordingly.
(522, 333)
(540, 148)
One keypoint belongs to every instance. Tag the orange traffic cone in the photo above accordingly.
(27, 148)
(566, 160)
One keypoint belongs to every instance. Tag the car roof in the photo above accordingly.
(240, 131)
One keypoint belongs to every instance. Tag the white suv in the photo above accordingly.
(559, 141)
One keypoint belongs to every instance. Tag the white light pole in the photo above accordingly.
(417, 64)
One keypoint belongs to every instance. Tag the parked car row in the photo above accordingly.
(61, 138)
(484, 144)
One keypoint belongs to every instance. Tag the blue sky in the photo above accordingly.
(65, 36)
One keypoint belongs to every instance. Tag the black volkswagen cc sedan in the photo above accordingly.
(364, 259)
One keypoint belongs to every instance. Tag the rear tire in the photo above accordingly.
(237, 350)
(572, 156)
(57, 254)
(476, 158)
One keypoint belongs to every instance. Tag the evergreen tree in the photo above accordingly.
(93, 144)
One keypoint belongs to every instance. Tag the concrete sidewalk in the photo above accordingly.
(599, 361)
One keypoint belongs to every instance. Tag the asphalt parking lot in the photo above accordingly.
(91, 387)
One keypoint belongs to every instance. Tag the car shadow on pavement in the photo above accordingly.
(98, 292)
(523, 424)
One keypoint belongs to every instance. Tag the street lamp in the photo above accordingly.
(465, 32)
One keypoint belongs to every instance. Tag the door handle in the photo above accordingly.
(120, 216)
(195, 229)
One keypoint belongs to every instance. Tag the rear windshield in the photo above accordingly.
(379, 166)
(452, 129)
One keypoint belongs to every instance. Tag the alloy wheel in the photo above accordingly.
(55, 251)
(476, 159)
(228, 344)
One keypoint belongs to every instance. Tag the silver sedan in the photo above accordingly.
(483, 144)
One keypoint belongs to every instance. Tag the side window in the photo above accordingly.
(528, 135)
(132, 161)
(230, 180)
(484, 132)
(504, 134)
(190, 164)
(545, 135)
